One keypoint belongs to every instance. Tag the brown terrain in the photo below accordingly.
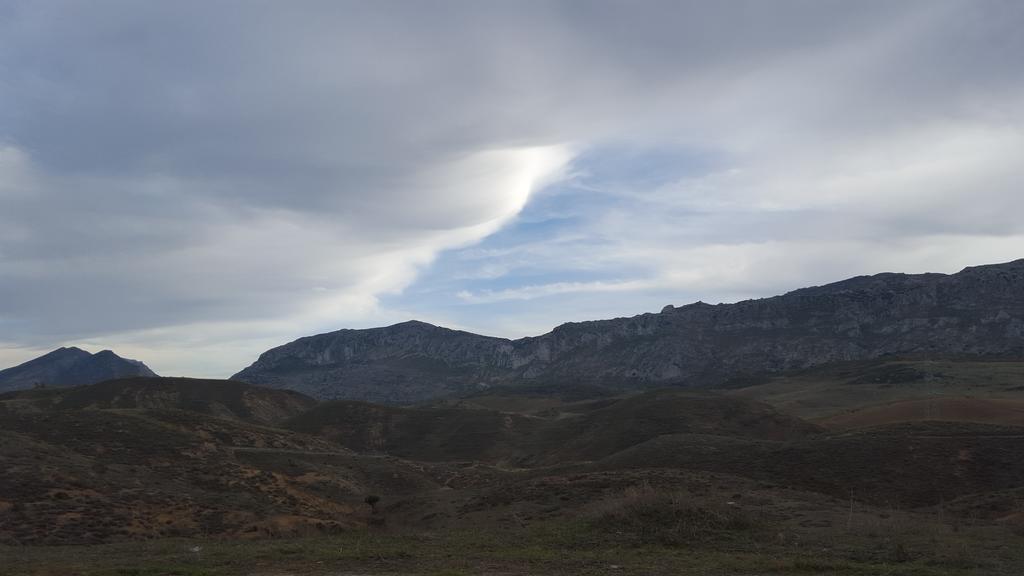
(965, 409)
(787, 467)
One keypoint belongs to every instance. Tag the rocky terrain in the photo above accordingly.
(976, 312)
(177, 476)
(70, 367)
(144, 458)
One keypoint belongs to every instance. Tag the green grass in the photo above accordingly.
(580, 546)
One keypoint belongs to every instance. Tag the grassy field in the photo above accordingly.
(650, 528)
(898, 545)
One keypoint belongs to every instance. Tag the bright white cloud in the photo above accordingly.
(244, 279)
(541, 290)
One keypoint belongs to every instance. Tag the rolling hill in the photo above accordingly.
(220, 462)
(220, 398)
(831, 390)
(83, 468)
(595, 431)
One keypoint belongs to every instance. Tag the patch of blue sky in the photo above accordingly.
(638, 168)
(547, 259)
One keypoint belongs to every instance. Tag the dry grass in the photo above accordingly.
(643, 515)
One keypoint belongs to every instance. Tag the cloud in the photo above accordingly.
(895, 149)
(193, 182)
(538, 291)
(208, 263)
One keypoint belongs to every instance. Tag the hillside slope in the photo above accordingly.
(978, 311)
(79, 472)
(941, 409)
(220, 398)
(902, 464)
(142, 458)
(453, 434)
(835, 389)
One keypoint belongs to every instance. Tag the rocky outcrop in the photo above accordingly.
(978, 312)
(70, 367)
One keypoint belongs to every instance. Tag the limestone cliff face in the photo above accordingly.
(978, 311)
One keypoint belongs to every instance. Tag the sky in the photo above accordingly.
(190, 183)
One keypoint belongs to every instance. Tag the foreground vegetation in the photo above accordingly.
(643, 531)
(185, 478)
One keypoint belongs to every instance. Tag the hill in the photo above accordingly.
(70, 367)
(835, 389)
(977, 312)
(221, 398)
(585, 432)
(941, 409)
(637, 419)
(433, 434)
(899, 465)
(699, 472)
(78, 472)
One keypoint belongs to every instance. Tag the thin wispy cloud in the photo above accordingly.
(541, 290)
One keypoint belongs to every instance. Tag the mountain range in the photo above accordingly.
(70, 367)
(977, 312)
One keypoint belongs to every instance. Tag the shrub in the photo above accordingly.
(371, 501)
(643, 515)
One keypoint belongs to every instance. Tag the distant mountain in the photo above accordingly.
(976, 312)
(410, 361)
(70, 367)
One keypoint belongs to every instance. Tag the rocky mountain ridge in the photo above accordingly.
(976, 312)
(70, 367)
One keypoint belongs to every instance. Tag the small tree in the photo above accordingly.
(371, 500)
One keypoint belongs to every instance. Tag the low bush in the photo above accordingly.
(644, 515)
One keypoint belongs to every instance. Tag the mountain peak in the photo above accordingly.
(71, 366)
(66, 351)
(413, 324)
